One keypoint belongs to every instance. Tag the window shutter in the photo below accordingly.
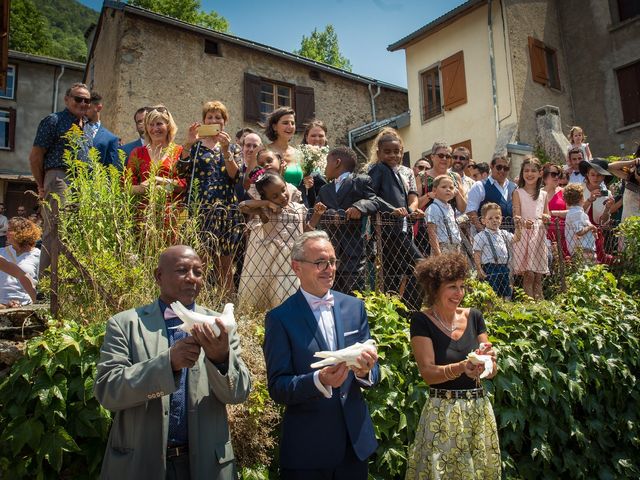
(538, 61)
(628, 81)
(305, 106)
(251, 98)
(454, 84)
(466, 144)
(12, 129)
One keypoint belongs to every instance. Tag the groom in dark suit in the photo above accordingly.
(351, 197)
(102, 139)
(327, 432)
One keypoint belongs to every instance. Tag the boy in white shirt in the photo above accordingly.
(442, 228)
(492, 250)
(578, 229)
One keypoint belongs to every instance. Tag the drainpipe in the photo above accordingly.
(373, 102)
(492, 62)
(56, 87)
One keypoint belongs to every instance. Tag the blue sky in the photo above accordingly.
(365, 27)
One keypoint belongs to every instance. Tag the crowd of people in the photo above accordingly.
(291, 231)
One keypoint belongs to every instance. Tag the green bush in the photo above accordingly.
(51, 425)
(629, 232)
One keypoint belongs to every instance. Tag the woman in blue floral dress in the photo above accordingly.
(209, 164)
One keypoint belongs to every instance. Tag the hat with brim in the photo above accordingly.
(598, 164)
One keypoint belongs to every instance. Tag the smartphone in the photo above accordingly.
(209, 130)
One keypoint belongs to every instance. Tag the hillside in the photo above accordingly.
(51, 27)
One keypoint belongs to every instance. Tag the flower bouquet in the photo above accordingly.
(313, 159)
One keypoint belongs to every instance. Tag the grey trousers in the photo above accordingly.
(55, 186)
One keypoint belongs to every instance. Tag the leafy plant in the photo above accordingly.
(629, 232)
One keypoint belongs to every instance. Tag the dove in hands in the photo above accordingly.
(347, 355)
(189, 318)
(486, 360)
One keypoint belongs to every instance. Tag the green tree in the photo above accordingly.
(323, 47)
(186, 10)
(28, 29)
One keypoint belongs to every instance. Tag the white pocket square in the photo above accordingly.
(346, 334)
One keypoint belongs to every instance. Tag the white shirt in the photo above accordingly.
(576, 177)
(476, 193)
(499, 238)
(575, 221)
(10, 288)
(441, 214)
(326, 323)
(341, 179)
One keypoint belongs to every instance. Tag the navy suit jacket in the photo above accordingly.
(355, 191)
(108, 146)
(389, 188)
(315, 429)
(128, 148)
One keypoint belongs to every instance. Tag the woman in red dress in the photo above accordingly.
(557, 207)
(155, 163)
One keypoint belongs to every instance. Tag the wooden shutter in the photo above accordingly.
(12, 129)
(305, 106)
(454, 84)
(628, 81)
(251, 98)
(538, 60)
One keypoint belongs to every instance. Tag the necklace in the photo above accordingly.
(448, 328)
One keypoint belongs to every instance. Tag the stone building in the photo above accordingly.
(484, 73)
(139, 58)
(35, 87)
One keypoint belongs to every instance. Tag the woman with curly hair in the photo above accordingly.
(457, 436)
(19, 262)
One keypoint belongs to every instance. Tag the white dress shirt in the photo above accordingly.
(326, 323)
(477, 194)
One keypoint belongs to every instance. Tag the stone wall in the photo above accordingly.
(158, 63)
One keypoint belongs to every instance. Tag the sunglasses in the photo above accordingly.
(159, 109)
(503, 168)
(81, 100)
(459, 157)
(553, 174)
(421, 168)
(444, 155)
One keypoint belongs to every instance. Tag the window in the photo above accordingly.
(544, 64)
(443, 87)
(262, 96)
(10, 91)
(628, 81)
(628, 9)
(431, 104)
(7, 128)
(211, 47)
(273, 96)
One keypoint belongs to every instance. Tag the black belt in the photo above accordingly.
(177, 451)
(456, 394)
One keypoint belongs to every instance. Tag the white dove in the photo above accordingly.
(189, 318)
(478, 359)
(347, 355)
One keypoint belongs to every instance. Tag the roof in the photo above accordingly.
(437, 24)
(206, 32)
(29, 57)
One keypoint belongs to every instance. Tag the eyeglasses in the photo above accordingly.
(81, 100)
(553, 174)
(459, 157)
(444, 155)
(322, 265)
(503, 168)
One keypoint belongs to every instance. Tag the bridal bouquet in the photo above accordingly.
(313, 159)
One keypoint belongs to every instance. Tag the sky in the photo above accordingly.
(364, 27)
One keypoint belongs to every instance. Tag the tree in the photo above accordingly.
(29, 30)
(323, 47)
(186, 10)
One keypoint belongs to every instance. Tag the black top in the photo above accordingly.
(448, 350)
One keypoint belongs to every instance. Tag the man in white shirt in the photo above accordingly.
(4, 226)
(573, 166)
(327, 431)
(459, 161)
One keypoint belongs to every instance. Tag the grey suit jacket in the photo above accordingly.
(134, 380)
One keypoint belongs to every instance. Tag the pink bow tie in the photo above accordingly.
(169, 313)
(322, 302)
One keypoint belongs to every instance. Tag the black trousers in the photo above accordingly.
(351, 468)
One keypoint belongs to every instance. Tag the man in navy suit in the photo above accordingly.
(102, 139)
(327, 432)
(138, 117)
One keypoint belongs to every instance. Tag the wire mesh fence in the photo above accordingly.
(380, 252)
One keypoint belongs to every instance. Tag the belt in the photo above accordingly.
(177, 451)
(456, 394)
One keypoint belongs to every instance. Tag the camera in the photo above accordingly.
(604, 192)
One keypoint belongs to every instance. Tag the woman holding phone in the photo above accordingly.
(208, 162)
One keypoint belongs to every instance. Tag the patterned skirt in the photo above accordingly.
(457, 440)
